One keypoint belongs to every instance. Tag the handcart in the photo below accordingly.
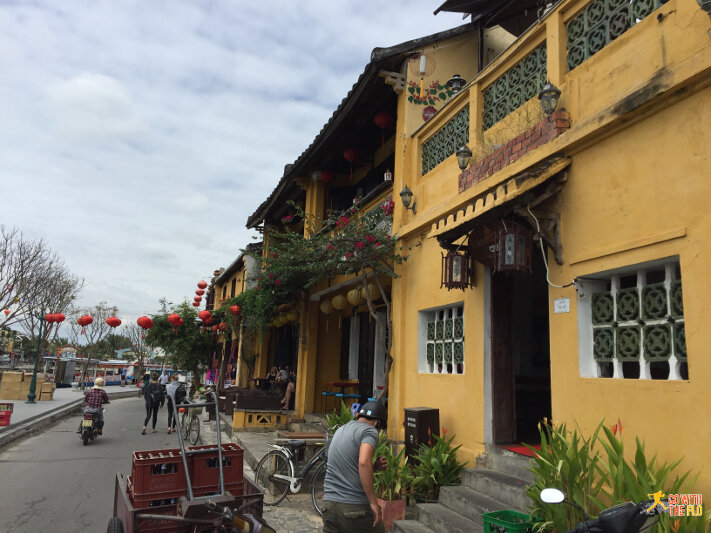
(199, 489)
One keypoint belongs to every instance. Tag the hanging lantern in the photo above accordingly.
(326, 307)
(197, 298)
(384, 120)
(222, 326)
(202, 284)
(235, 309)
(338, 302)
(175, 320)
(49, 318)
(209, 321)
(327, 176)
(513, 246)
(351, 155)
(6, 311)
(200, 292)
(214, 329)
(204, 316)
(457, 271)
(59, 317)
(113, 322)
(354, 297)
(371, 290)
(196, 304)
(144, 322)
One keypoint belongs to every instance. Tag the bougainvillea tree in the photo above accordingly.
(355, 243)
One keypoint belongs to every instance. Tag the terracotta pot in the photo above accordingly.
(394, 510)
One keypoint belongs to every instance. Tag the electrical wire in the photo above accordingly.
(543, 254)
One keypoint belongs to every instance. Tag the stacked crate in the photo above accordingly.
(16, 386)
(158, 476)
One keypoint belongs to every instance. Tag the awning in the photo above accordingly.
(453, 225)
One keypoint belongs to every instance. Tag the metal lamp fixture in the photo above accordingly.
(513, 247)
(406, 196)
(457, 271)
(549, 98)
(464, 155)
(456, 83)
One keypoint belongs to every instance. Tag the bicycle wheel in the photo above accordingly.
(185, 424)
(317, 488)
(274, 490)
(194, 430)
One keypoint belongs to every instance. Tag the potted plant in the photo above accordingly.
(339, 418)
(391, 482)
(436, 466)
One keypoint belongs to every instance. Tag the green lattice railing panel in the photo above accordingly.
(676, 301)
(458, 352)
(627, 305)
(458, 327)
(603, 308)
(679, 338)
(446, 141)
(430, 331)
(438, 352)
(515, 87)
(602, 22)
(657, 343)
(448, 329)
(430, 353)
(444, 349)
(628, 343)
(654, 301)
(604, 344)
(448, 353)
(439, 330)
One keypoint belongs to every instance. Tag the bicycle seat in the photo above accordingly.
(296, 444)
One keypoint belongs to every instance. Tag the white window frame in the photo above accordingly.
(455, 310)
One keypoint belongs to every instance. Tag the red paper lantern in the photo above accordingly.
(84, 321)
(384, 119)
(113, 322)
(173, 318)
(49, 317)
(197, 298)
(144, 322)
(200, 292)
(7, 312)
(209, 321)
(235, 309)
(204, 315)
(202, 284)
(196, 304)
(214, 328)
(327, 176)
(222, 326)
(59, 317)
(350, 154)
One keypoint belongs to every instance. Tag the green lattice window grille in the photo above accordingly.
(444, 350)
(602, 22)
(515, 87)
(446, 140)
(641, 324)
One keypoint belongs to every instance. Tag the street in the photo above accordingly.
(53, 482)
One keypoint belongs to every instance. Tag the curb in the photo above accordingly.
(37, 423)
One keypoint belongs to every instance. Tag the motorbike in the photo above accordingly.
(626, 517)
(91, 425)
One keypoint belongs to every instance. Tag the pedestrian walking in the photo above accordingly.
(176, 395)
(155, 399)
(163, 380)
(146, 379)
(123, 376)
(349, 496)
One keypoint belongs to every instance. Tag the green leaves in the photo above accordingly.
(392, 482)
(339, 418)
(436, 467)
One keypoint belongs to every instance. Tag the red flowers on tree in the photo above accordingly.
(388, 207)
(342, 222)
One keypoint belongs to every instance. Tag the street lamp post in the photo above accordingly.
(33, 384)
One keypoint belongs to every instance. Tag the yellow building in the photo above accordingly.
(612, 183)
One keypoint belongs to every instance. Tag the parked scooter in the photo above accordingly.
(91, 425)
(626, 517)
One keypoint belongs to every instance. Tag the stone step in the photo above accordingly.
(410, 526)
(469, 503)
(500, 486)
(511, 463)
(442, 520)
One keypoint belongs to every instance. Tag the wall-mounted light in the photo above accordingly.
(457, 271)
(406, 196)
(388, 176)
(316, 175)
(464, 155)
(549, 98)
(456, 83)
(513, 248)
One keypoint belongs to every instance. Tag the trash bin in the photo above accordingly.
(418, 420)
(6, 413)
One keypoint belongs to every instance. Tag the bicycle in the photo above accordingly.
(278, 472)
(189, 423)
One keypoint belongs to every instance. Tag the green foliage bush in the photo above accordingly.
(390, 484)
(436, 466)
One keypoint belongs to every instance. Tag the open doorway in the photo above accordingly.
(520, 353)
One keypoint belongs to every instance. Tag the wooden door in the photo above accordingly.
(502, 370)
(366, 356)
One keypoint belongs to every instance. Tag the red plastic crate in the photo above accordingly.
(157, 471)
(204, 468)
(5, 418)
(160, 499)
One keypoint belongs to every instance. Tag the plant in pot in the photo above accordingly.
(436, 466)
(338, 418)
(391, 482)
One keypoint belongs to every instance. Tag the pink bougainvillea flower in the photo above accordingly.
(275, 255)
(359, 245)
(387, 236)
(329, 247)
(370, 238)
(270, 276)
(287, 218)
(378, 245)
(276, 282)
(342, 222)
(349, 255)
(388, 207)
(444, 431)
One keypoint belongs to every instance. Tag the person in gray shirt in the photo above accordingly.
(350, 505)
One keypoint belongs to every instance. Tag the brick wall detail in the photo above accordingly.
(546, 130)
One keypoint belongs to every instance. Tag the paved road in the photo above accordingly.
(52, 482)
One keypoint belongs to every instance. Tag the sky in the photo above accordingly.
(137, 137)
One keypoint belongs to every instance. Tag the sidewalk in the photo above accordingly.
(29, 418)
(296, 514)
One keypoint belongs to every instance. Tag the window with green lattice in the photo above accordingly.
(442, 340)
(631, 323)
(600, 23)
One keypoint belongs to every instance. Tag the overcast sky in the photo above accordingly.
(136, 137)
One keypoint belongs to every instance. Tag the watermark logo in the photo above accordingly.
(657, 502)
(685, 504)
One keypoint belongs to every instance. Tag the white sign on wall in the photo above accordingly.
(561, 305)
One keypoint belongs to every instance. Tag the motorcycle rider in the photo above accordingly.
(94, 399)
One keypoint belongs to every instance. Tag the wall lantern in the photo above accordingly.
(549, 98)
(513, 248)
(457, 271)
(388, 176)
(456, 83)
(406, 196)
(464, 155)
